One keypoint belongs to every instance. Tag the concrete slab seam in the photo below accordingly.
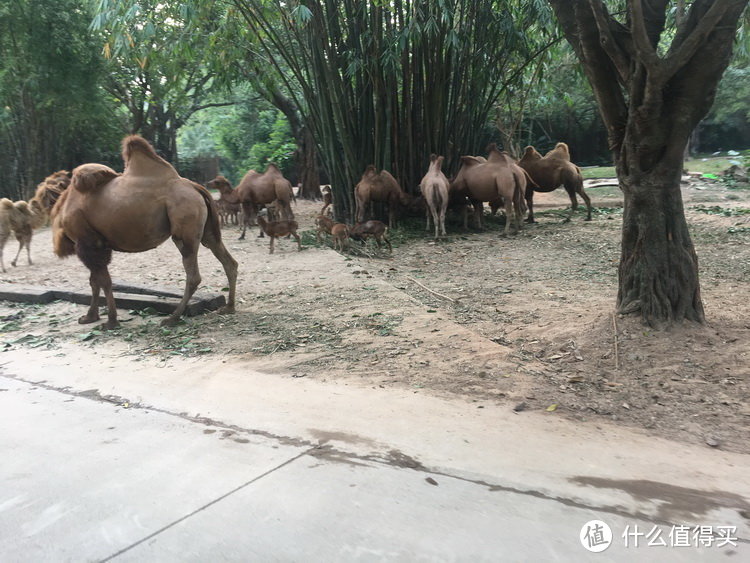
(204, 507)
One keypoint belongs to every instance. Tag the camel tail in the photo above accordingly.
(214, 221)
(437, 196)
(136, 144)
(61, 244)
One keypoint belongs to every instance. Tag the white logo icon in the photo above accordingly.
(596, 536)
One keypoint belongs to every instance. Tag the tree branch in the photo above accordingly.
(680, 54)
(579, 25)
(644, 50)
(608, 42)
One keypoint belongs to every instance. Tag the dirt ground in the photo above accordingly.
(523, 323)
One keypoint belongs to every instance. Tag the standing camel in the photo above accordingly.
(136, 211)
(256, 190)
(498, 178)
(551, 171)
(434, 188)
(378, 187)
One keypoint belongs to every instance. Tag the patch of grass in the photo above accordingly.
(710, 165)
(723, 211)
(598, 172)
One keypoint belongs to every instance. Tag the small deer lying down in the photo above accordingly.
(375, 229)
(276, 229)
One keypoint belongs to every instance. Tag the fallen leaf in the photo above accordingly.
(552, 407)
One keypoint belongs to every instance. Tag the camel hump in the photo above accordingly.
(135, 145)
(561, 150)
(90, 177)
(23, 207)
(530, 153)
(471, 160)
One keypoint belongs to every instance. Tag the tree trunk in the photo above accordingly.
(658, 273)
(307, 165)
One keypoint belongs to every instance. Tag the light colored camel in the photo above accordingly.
(136, 211)
(256, 190)
(378, 187)
(498, 178)
(434, 188)
(20, 219)
(551, 171)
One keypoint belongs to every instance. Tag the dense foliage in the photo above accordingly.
(253, 81)
(53, 111)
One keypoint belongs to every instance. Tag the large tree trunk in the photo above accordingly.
(651, 95)
(307, 165)
(658, 271)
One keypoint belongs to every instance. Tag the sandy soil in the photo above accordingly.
(526, 322)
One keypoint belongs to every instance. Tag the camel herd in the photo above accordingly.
(96, 210)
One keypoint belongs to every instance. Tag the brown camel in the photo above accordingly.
(229, 199)
(379, 187)
(136, 211)
(498, 178)
(551, 171)
(256, 190)
(434, 188)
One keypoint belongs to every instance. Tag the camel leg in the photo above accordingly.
(96, 257)
(248, 217)
(530, 205)
(478, 211)
(573, 203)
(441, 214)
(428, 213)
(21, 244)
(93, 313)
(105, 282)
(299, 241)
(189, 251)
(230, 269)
(272, 239)
(508, 205)
(586, 199)
(3, 240)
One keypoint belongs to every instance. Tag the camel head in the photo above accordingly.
(219, 183)
(89, 177)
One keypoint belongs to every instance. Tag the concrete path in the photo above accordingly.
(212, 461)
